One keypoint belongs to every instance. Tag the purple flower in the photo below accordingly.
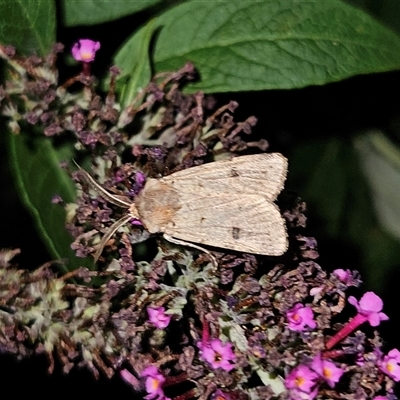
(299, 317)
(369, 309)
(370, 306)
(158, 317)
(56, 199)
(153, 383)
(390, 364)
(343, 275)
(85, 50)
(327, 370)
(302, 383)
(140, 180)
(218, 354)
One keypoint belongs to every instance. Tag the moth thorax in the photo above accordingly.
(157, 205)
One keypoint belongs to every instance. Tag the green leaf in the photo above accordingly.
(134, 61)
(273, 44)
(29, 25)
(38, 177)
(90, 12)
(327, 174)
(381, 165)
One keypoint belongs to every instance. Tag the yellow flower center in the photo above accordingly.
(155, 384)
(299, 381)
(327, 373)
(390, 366)
(86, 55)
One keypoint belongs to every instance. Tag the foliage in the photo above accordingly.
(235, 46)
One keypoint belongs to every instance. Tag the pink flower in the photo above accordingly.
(302, 383)
(369, 309)
(342, 274)
(154, 382)
(327, 370)
(380, 398)
(85, 50)
(370, 305)
(218, 354)
(299, 317)
(390, 364)
(158, 317)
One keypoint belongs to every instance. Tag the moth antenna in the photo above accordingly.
(188, 244)
(110, 232)
(105, 194)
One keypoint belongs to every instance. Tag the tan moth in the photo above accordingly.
(226, 204)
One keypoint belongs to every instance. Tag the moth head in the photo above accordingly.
(133, 212)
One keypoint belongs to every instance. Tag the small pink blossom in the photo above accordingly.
(390, 364)
(380, 398)
(327, 370)
(158, 317)
(342, 274)
(153, 383)
(56, 199)
(85, 50)
(302, 383)
(369, 309)
(299, 317)
(360, 360)
(218, 354)
(370, 306)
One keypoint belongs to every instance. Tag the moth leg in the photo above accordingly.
(188, 244)
(110, 232)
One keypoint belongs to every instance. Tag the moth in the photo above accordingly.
(227, 204)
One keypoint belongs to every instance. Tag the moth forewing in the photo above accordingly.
(225, 204)
(245, 223)
(258, 174)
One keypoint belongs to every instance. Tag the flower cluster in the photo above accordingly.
(304, 381)
(161, 315)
